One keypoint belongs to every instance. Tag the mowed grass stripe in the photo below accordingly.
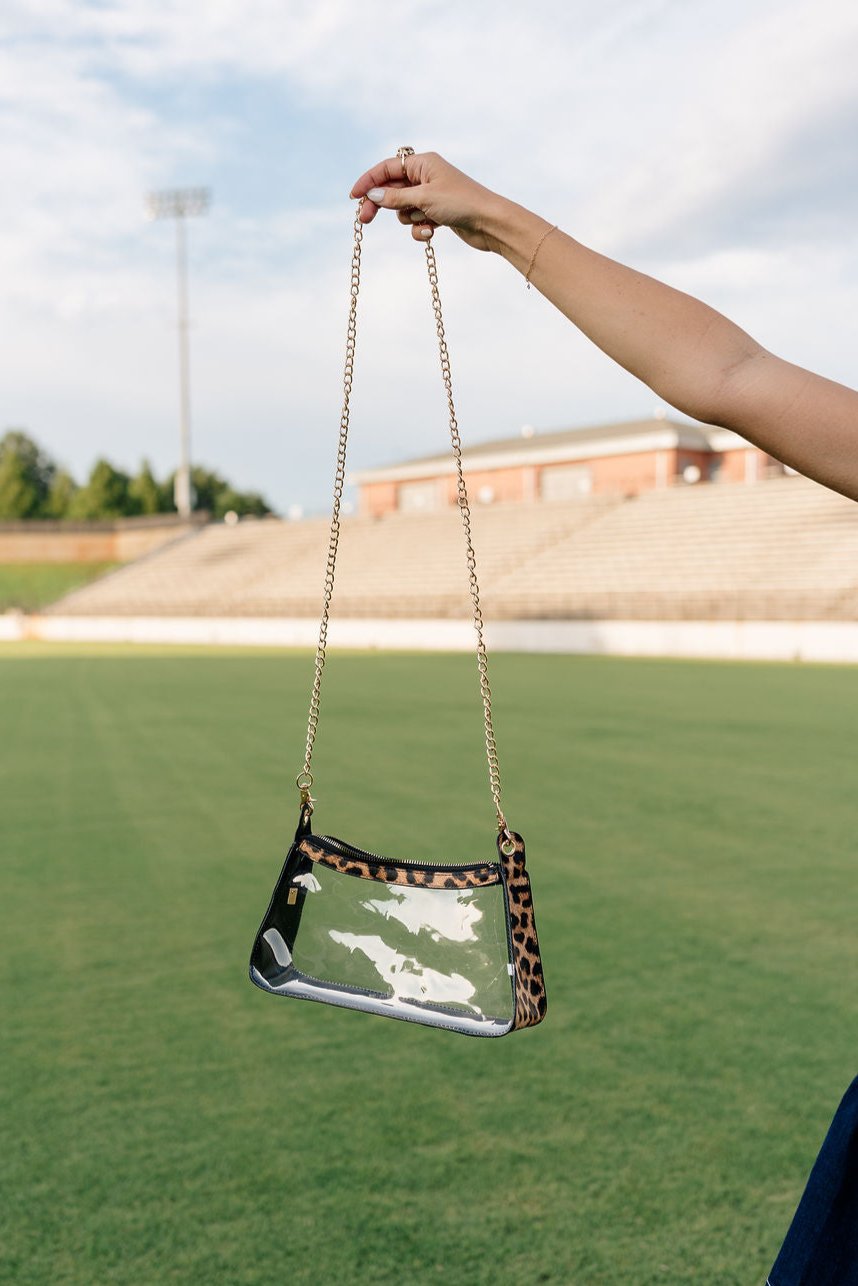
(690, 832)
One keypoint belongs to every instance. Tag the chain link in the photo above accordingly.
(465, 511)
(305, 778)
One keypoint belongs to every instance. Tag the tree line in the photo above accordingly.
(33, 485)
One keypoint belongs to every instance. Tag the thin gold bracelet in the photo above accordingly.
(536, 252)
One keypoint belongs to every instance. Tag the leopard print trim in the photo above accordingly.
(424, 877)
(530, 1001)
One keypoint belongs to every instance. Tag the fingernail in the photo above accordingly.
(425, 233)
(377, 195)
(417, 216)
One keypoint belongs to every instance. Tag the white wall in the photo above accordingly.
(736, 640)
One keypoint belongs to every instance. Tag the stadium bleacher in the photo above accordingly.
(781, 549)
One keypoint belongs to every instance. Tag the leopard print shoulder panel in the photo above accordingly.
(423, 876)
(530, 1001)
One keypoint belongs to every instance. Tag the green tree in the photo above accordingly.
(241, 502)
(26, 473)
(217, 496)
(147, 493)
(32, 486)
(105, 494)
(62, 491)
(207, 486)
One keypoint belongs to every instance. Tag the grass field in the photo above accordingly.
(31, 586)
(691, 835)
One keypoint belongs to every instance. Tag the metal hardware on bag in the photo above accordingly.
(305, 777)
(304, 781)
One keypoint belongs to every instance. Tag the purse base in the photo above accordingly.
(301, 987)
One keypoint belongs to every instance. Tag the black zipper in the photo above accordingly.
(377, 860)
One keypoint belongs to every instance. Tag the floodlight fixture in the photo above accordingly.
(180, 204)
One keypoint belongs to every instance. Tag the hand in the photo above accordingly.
(435, 193)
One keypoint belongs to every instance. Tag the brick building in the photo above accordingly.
(621, 459)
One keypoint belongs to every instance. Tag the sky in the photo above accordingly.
(711, 143)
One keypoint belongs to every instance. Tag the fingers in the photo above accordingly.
(420, 224)
(396, 196)
(384, 187)
(383, 197)
(389, 171)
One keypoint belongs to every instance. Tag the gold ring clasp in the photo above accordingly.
(304, 781)
(506, 841)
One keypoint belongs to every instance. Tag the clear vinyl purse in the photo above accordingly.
(446, 944)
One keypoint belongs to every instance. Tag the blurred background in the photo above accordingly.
(711, 144)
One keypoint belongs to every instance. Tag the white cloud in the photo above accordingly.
(730, 134)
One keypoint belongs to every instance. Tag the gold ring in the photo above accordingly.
(402, 152)
(506, 841)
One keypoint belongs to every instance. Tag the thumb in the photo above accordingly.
(395, 198)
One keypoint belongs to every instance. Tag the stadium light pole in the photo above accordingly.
(181, 204)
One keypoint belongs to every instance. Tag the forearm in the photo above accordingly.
(684, 350)
(691, 356)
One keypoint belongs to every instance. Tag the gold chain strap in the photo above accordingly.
(465, 511)
(304, 781)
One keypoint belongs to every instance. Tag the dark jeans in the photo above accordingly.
(821, 1247)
